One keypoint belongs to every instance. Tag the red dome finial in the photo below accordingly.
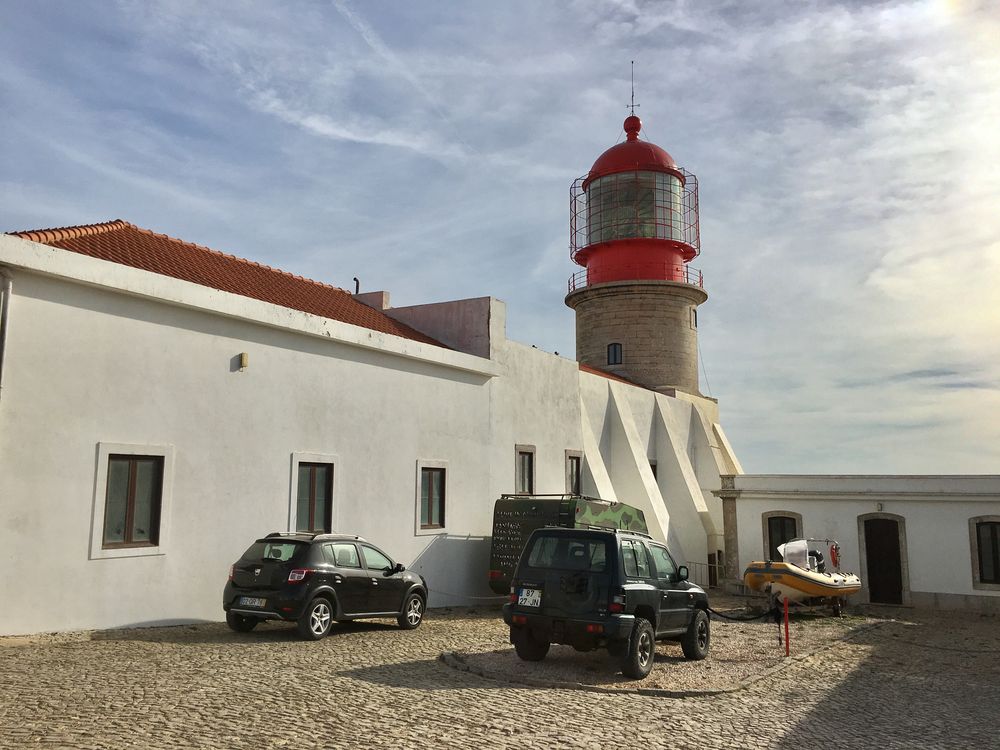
(632, 127)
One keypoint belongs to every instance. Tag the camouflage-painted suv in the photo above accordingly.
(604, 588)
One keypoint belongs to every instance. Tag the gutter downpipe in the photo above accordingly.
(6, 285)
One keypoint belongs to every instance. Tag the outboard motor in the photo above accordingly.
(816, 561)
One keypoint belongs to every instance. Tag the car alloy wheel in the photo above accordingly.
(316, 620)
(413, 612)
(645, 649)
(319, 618)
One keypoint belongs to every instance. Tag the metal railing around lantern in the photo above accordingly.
(638, 204)
(677, 272)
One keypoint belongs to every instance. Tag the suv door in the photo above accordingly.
(674, 606)
(386, 590)
(640, 581)
(350, 579)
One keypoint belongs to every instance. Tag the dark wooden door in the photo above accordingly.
(885, 569)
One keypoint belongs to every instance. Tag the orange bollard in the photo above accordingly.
(787, 644)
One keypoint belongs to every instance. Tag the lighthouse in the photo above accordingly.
(634, 229)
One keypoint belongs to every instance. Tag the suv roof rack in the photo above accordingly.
(314, 535)
(593, 527)
(555, 496)
(337, 535)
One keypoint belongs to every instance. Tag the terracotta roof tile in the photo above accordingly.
(121, 242)
(608, 375)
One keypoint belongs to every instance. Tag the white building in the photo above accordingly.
(924, 541)
(197, 398)
(162, 405)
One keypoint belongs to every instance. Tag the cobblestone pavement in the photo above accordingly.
(919, 681)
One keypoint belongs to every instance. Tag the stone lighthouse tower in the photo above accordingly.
(634, 228)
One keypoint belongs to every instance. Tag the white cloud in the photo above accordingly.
(846, 155)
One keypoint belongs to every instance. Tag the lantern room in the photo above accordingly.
(634, 216)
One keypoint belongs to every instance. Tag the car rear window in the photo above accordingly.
(277, 551)
(562, 552)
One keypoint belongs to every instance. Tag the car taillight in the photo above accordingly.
(513, 595)
(232, 568)
(298, 575)
(617, 604)
(496, 575)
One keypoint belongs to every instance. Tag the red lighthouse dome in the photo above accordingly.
(632, 155)
(634, 216)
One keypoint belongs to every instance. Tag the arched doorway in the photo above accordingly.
(884, 569)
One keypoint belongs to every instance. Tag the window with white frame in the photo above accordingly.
(314, 498)
(432, 497)
(313, 493)
(524, 469)
(132, 498)
(574, 472)
(431, 512)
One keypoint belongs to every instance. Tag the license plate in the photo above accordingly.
(252, 601)
(530, 598)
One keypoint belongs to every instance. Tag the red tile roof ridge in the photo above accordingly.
(56, 234)
(232, 257)
(66, 233)
(608, 375)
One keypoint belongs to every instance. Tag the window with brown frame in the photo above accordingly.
(132, 501)
(574, 473)
(432, 488)
(988, 536)
(524, 480)
(314, 502)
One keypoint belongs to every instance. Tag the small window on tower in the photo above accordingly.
(694, 317)
(614, 354)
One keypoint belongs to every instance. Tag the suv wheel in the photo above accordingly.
(695, 642)
(240, 623)
(413, 612)
(641, 650)
(315, 622)
(527, 646)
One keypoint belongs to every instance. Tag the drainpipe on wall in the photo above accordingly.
(6, 284)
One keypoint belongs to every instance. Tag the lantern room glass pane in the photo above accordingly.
(634, 205)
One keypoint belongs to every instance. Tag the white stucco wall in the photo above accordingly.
(101, 357)
(85, 366)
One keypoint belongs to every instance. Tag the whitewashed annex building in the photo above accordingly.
(163, 404)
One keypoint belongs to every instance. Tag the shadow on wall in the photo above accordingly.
(457, 570)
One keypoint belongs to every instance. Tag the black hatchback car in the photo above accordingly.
(604, 588)
(316, 579)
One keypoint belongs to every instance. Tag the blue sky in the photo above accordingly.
(848, 157)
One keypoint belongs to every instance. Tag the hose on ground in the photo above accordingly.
(768, 613)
